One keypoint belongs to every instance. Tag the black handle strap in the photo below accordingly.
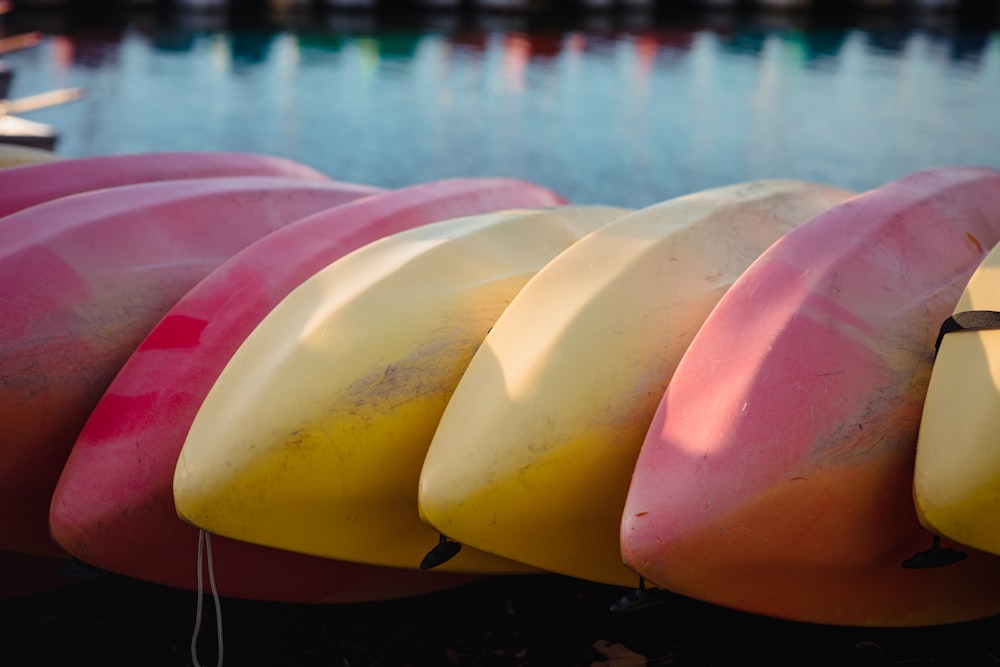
(968, 320)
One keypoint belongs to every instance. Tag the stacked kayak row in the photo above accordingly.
(365, 394)
(92, 278)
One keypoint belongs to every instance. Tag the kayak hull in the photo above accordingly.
(28, 185)
(534, 453)
(82, 280)
(956, 486)
(777, 470)
(345, 381)
(124, 518)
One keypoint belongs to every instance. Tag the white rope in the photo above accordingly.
(205, 546)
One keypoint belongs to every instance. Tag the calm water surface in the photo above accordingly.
(614, 111)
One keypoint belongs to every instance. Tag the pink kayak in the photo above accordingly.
(33, 184)
(776, 475)
(82, 280)
(114, 505)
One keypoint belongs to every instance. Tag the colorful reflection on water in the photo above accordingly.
(624, 115)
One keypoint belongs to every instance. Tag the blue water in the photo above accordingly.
(615, 112)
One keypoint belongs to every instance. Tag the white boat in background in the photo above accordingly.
(22, 132)
(16, 130)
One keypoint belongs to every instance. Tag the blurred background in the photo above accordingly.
(606, 102)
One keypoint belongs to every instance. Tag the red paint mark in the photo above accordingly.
(175, 331)
(115, 416)
(979, 246)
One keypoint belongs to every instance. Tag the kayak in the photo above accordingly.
(326, 410)
(82, 280)
(36, 183)
(956, 479)
(114, 505)
(533, 455)
(12, 155)
(776, 474)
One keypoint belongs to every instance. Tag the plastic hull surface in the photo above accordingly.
(33, 184)
(338, 391)
(957, 476)
(124, 519)
(533, 455)
(776, 474)
(82, 280)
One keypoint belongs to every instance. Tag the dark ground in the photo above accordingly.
(523, 620)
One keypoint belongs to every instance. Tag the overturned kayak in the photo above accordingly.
(326, 411)
(114, 504)
(776, 475)
(82, 280)
(956, 481)
(31, 184)
(533, 455)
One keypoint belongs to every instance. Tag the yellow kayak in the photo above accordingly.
(15, 155)
(533, 456)
(313, 436)
(956, 483)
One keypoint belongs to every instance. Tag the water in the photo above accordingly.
(620, 111)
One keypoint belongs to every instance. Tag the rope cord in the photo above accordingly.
(205, 547)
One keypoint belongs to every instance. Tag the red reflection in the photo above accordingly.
(516, 53)
(62, 51)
